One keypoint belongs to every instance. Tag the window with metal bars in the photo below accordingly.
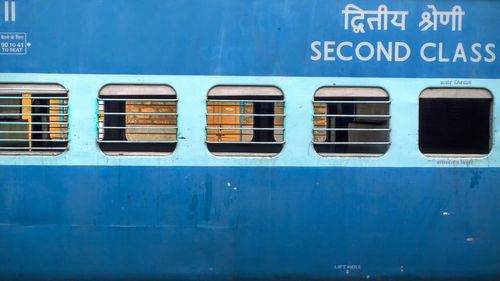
(245, 120)
(33, 119)
(351, 121)
(455, 122)
(137, 119)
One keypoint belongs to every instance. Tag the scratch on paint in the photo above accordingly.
(129, 226)
(474, 181)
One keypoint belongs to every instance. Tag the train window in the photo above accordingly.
(351, 121)
(137, 119)
(245, 120)
(455, 122)
(33, 119)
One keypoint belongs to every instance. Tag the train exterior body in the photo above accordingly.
(193, 215)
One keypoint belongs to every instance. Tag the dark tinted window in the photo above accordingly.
(455, 121)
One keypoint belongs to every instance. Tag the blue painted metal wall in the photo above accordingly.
(248, 223)
(223, 37)
(194, 216)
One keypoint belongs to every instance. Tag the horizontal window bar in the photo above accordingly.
(151, 134)
(34, 148)
(351, 115)
(128, 141)
(222, 136)
(246, 114)
(34, 114)
(152, 100)
(230, 124)
(144, 124)
(141, 105)
(140, 127)
(242, 101)
(33, 140)
(355, 102)
(140, 113)
(34, 123)
(33, 106)
(238, 133)
(33, 132)
(263, 129)
(242, 142)
(355, 142)
(348, 129)
(34, 98)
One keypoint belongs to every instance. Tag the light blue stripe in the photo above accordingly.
(298, 151)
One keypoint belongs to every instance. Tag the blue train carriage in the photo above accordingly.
(249, 140)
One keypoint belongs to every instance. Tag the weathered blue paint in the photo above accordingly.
(226, 37)
(192, 215)
(230, 223)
